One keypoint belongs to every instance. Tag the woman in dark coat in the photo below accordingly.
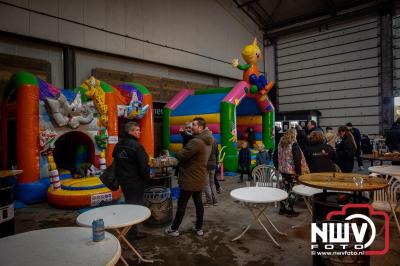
(345, 150)
(319, 155)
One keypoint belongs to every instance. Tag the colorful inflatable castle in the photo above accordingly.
(65, 138)
(228, 112)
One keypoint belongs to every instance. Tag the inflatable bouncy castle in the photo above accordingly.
(228, 112)
(65, 138)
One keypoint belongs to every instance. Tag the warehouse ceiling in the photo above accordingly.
(278, 17)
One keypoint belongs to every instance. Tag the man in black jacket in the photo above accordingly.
(132, 168)
(357, 138)
(393, 137)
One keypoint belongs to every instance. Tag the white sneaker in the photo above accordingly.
(171, 232)
(198, 232)
(361, 168)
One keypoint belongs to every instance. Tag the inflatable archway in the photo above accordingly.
(228, 113)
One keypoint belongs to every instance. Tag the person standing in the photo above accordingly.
(345, 150)
(301, 138)
(312, 126)
(209, 189)
(263, 156)
(251, 136)
(244, 162)
(320, 156)
(357, 138)
(132, 168)
(393, 137)
(193, 175)
(292, 164)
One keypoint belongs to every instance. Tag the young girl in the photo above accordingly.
(244, 161)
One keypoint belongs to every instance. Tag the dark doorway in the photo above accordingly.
(73, 149)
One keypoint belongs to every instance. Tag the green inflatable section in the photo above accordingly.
(166, 127)
(22, 78)
(268, 122)
(140, 87)
(228, 124)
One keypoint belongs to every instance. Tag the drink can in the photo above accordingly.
(98, 230)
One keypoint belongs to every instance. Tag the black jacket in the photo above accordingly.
(132, 162)
(244, 157)
(318, 161)
(302, 139)
(345, 152)
(357, 135)
(393, 138)
(296, 151)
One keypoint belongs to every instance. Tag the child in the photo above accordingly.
(244, 161)
(263, 156)
(186, 133)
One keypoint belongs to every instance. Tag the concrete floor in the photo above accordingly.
(221, 224)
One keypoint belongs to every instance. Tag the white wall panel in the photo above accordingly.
(18, 17)
(87, 61)
(70, 33)
(72, 10)
(44, 27)
(37, 51)
(335, 71)
(199, 33)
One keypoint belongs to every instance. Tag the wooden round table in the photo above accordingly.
(9, 173)
(342, 182)
(373, 158)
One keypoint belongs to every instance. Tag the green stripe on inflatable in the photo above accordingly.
(166, 127)
(106, 87)
(213, 90)
(22, 78)
(228, 121)
(268, 124)
(83, 93)
(140, 87)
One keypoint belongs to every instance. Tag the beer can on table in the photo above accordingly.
(98, 230)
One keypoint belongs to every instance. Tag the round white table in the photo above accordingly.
(306, 192)
(392, 170)
(257, 198)
(119, 218)
(59, 246)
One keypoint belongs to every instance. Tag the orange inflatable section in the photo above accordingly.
(147, 127)
(112, 127)
(27, 133)
(62, 201)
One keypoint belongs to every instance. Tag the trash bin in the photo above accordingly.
(324, 203)
(7, 221)
(158, 198)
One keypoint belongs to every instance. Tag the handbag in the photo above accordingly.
(109, 177)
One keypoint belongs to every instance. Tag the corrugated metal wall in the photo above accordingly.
(335, 71)
(396, 52)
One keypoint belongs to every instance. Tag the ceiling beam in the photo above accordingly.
(247, 3)
(260, 24)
